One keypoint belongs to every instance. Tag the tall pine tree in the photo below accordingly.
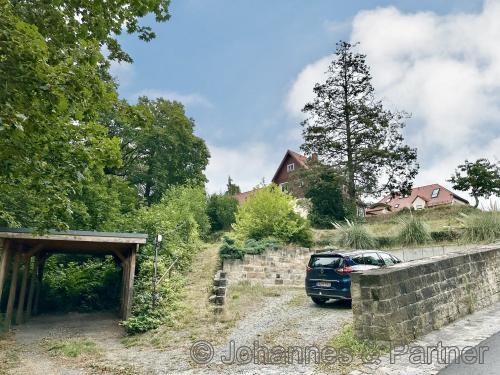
(350, 130)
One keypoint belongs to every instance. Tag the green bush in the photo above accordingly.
(80, 283)
(481, 227)
(269, 213)
(181, 218)
(355, 236)
(221, 210)
(446, 235)
(230, 249)
(413, 231)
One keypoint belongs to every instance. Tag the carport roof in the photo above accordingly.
(74, 241)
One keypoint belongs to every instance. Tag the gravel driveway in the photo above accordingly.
(290, 319)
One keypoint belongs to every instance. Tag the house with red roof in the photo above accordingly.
(291, 162)
(420, 198)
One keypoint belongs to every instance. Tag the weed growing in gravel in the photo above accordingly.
(72, 347)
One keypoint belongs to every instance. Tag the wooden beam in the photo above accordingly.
(123, 294)
(3, 264)
(12, 292)
(31, 293)
(130, 284)
(22, 293)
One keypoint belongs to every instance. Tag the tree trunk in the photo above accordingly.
(477, 202)
(351, 187)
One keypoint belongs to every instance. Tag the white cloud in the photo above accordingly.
(192, 99)
(122, 72)
(444, 69)
(247, 164)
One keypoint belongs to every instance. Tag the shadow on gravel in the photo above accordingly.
(337, 304)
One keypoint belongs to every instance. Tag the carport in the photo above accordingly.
(23, 250)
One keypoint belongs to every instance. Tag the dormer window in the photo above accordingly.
(435, 193)
(290, 167)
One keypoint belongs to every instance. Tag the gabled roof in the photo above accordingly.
(444, 196)
(300, 159)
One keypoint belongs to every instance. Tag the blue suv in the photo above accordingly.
(329, 273)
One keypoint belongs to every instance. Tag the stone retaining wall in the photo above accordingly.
(400, 303)
(287, 266)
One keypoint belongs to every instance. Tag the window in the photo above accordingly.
(388, 200)
(372, 259)
(358, 259)
(284, 187)
(435, 193)
(290, 167)
(396, 205)
(388, 261)
(326, 261)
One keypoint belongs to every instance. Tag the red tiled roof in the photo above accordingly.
(444, 196)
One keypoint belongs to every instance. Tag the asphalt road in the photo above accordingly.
(491, 365)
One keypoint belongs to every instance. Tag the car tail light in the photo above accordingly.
(308, 268)
(344, 270)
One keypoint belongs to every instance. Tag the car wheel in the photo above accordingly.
(319, 301)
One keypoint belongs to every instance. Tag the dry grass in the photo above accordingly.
(9, 354)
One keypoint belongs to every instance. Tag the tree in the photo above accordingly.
(481, 177)
(323, 186)
(350, 130)
(72, 23)
(221, 209)
(159, 147)
(232, 189)
(55, 85)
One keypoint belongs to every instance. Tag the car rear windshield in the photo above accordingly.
(325, 261)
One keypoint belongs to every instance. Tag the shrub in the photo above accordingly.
(446, 235)
(80, 283)
(181, 218)
(229, 249)
(354, 236)
(413, 231)
(481, 227)
(232, 250)
(269, 213)
(221, 211)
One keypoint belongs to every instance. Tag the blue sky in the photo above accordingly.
(243, 69)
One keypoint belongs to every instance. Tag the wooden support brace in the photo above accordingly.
(22, 294)
(12, 292)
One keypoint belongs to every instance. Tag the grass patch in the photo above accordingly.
(360, 350)
(484, 227)
(413, 231)
(72, 347)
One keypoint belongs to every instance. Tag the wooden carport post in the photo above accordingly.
(3, 265)
(41, 266)
(12, 292)
(22, 294)
(128, 276)
(31, 293)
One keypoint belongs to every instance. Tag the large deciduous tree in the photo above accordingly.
(159, 147)
(54, 86)
(481, 177)
(350, 130)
